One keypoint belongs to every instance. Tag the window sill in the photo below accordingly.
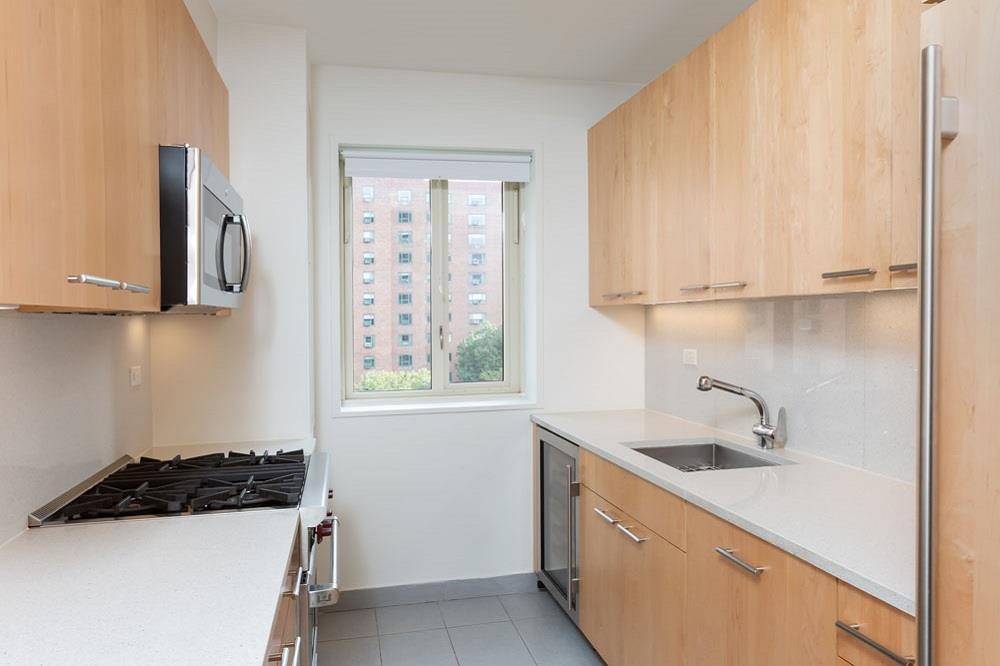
(351, 408)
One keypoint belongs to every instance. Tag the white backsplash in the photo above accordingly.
(844, 367)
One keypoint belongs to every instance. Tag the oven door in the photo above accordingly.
(557, 519)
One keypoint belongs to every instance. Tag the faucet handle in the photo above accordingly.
(781, 430)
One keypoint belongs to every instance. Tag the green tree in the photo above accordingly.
(398, 380)
(480, 356)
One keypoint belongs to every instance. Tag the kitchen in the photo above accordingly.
(644, 209)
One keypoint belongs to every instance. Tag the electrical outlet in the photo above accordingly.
(690, 357)
(135, 376)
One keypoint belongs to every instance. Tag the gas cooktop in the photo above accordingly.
(214, 482)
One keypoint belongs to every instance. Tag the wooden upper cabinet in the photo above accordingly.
(782, 616)
(680, 182)
(85, 104)
(606, 168)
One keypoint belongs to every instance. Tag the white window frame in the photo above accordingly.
(513, 339)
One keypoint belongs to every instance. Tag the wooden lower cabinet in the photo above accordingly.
(631, 592)
(889, 627)
(783, 615)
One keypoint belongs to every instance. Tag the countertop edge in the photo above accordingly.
(892, 597)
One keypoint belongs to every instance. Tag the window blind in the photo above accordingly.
(511, 167)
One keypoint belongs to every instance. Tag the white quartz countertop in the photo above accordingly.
(196, 589)
(857, 526)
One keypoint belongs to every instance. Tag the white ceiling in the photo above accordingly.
(628, 41)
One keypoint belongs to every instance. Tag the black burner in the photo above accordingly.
(215, 482)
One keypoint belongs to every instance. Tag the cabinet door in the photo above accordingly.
(736, 152)
(601, 578)
(642, 206)
(683, 269)
(783, 615)
(130, 148)
(606, 174)
(54, 222)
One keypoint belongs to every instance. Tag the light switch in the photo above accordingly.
(690, 357)
(135, 376)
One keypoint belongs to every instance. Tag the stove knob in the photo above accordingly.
(324, 530)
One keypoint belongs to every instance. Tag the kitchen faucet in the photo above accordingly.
(768, 436)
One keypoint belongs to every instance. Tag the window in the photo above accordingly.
(368, 258)
(451, 335)
(368, 194)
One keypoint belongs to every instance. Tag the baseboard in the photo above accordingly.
(376, 597)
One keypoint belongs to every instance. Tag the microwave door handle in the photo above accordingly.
(247, 252)
(220, 258)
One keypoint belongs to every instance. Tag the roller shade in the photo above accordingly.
(511, 167)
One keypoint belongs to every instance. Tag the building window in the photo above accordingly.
(368, 194)
(459, 337)
(369, 363)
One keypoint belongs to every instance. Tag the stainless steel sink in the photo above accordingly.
(703, 456)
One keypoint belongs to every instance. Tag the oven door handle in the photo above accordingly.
(327, 594)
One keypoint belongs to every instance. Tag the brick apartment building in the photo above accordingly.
(391, 254)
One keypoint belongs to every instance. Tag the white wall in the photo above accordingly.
(66, 407)
(248, 377)
(208, 24)
(845, 367)
(446, 496)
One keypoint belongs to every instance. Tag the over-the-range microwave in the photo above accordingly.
(205, 242)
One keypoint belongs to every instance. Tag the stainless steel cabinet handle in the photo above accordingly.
(569, 535)
(630, 534)
(852, 631)
(293, 592)
(728, 553)
(695, 287)
(610, 520)
(629, 294)
(289, 655)
(327, 594)
(117, 285)
(854, 272)
(903, 268)
(296, 650)
(611, 296)
(728, 285)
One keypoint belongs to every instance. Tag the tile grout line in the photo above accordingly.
(378, 636)
(527, 647)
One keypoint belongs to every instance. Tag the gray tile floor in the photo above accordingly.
(508, 630)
